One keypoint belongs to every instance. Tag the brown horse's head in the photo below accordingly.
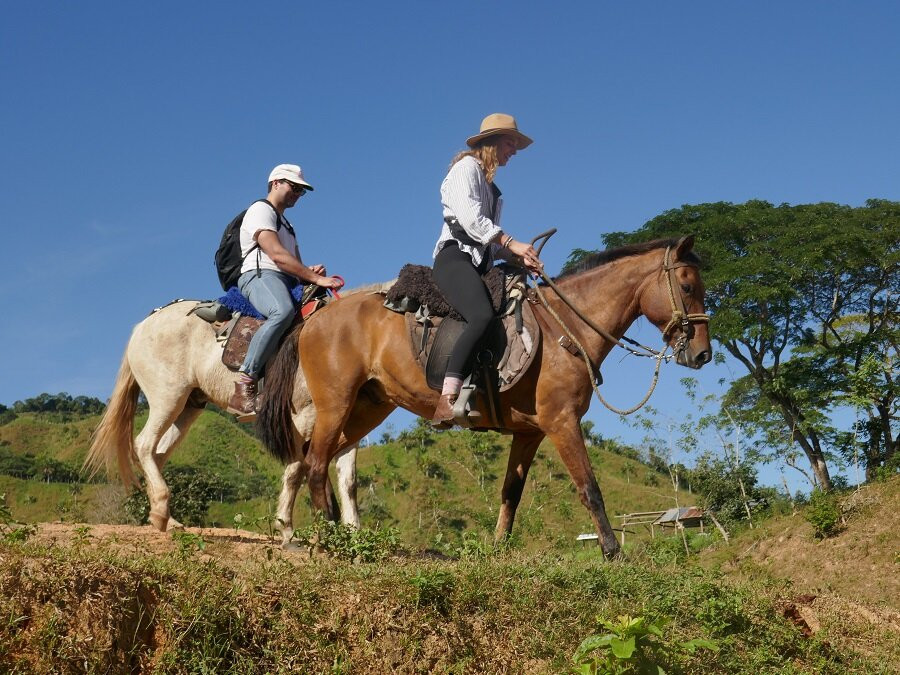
(674, 303)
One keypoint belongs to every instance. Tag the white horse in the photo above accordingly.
(175, 359)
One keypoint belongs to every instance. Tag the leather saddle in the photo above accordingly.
(499, 360)
(234, 330)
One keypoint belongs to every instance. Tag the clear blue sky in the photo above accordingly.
(132, 132)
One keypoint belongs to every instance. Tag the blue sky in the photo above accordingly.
(133, 132)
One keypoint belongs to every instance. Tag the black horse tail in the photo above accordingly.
(274, 426)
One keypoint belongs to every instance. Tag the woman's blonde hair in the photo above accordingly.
(486, 153)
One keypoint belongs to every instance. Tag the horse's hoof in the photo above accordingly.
(174, 525)
(291, 546)
(160, 522)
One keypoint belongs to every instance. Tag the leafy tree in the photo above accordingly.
(193, 489)
(50, 470)
(417, 437)
(13, 464)
(6, 415)
(724, 487)
(60, 403)
(590, 436)
(783, 285)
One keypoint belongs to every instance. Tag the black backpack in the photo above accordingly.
(228, 256)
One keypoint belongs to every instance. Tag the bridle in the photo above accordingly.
(680, 316)
(680, 319)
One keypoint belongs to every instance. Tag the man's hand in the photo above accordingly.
(329, 282)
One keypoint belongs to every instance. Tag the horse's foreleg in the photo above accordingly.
(345, 464)
(521, 454)
(570, 444)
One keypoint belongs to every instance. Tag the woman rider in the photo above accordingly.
(471, 239)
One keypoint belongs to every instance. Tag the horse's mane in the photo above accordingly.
(377, 287)
(600, 258)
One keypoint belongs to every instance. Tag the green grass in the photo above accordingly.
(187, 611)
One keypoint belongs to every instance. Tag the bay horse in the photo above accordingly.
(358, 351)
(176, 361)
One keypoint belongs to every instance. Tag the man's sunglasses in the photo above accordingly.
(296, 189)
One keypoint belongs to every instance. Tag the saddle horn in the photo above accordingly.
(545, 236)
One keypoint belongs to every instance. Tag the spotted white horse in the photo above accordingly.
(175, 360)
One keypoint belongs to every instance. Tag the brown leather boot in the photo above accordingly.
(243, 400)
(443, 414)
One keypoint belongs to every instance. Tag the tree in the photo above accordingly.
(60, 403)
(782, 282)
(724, 487)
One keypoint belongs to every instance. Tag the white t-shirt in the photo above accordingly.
(261, 216)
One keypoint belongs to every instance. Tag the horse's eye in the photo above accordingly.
(687, 288)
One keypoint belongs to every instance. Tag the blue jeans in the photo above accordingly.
(270, 294)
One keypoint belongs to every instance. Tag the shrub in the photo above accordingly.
(348, 543)
(823, 513)
(192, 490)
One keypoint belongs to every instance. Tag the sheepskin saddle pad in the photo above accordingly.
(509, 344)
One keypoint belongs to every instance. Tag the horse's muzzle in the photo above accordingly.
(691, 359)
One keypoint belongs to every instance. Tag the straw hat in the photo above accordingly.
(500, 124)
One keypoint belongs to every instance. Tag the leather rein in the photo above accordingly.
(680, 319)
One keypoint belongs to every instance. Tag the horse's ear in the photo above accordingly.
(684, 246)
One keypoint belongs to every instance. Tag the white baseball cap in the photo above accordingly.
(290, 172)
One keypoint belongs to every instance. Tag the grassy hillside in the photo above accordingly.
(433, 487)
(111, 603)
(118, 598)
(861, 561)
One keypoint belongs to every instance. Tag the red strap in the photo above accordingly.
(333, 291)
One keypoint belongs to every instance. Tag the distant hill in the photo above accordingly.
(433, 487)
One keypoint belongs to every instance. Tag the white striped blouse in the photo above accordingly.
(467, 196)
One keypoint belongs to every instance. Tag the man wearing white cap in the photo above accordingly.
(268, 275)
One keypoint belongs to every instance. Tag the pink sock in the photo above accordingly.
(452, 385)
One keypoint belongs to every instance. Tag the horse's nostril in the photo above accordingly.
(704, 357)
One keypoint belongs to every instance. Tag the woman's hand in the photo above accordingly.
(527, 254)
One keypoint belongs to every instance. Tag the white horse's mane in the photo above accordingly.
(377, 287)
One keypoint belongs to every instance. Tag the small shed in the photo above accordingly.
(688, 516)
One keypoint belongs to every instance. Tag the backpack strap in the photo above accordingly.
(278, 223)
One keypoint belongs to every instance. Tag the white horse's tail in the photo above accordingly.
(113, 441)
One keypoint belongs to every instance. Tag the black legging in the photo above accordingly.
(460, 283)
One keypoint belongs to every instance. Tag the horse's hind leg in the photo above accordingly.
(170, 440)
(170, 421)
(521, 455)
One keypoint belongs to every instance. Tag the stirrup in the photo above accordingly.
(463, 415)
